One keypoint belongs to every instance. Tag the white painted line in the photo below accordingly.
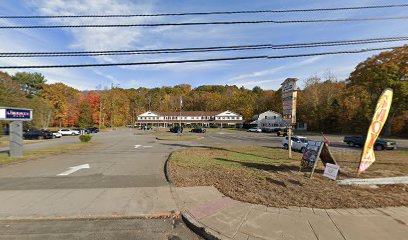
(138, 146)
(147, 146)
(74, 169)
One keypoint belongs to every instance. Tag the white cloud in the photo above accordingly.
(256, 74)
(98, 38)
(265, 84)
(254, 77)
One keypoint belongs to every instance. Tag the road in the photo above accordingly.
(122, 182)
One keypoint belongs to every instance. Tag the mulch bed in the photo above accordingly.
(279, 185)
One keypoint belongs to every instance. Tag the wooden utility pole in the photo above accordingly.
(290, 141)
(181, 105)
(100, 113)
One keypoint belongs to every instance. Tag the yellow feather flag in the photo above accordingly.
(380, 116)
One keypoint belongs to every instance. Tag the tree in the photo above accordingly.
(385, 70)
(257, 90)
(65, 102)
(85, 114)
(31, 83)
(10, 92)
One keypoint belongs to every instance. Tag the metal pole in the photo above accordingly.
(290, 141)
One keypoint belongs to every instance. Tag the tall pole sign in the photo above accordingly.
(289, 96)
(16, 116)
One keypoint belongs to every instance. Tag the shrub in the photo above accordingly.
(85, 138)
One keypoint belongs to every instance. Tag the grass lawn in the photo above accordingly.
(4, 141)
(265, 175)
(38, 153)
(179, 138)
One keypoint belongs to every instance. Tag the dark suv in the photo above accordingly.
(93, 130)
(198, 130)
(38, 134)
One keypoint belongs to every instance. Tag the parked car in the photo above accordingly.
(67, 131)
(255, 129)
(176, 129)
(93, 130)
(56, 134)
(38, 134)
(277, 129)
(380, 144)
(282, 133)
(198, 130)
(267, 130)
(86, 131)
(298, 143)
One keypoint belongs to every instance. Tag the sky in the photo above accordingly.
(266, 73)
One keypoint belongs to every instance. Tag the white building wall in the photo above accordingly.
(269, 119)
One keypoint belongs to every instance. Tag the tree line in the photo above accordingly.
(325, 103)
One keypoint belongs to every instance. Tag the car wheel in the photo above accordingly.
(73, 134)
(285, 146)
(302, 150)
(277, 134)
(379, 147)
(285, 134)
(350, 144)
(40, 137)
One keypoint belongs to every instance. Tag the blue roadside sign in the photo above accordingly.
(11, 114)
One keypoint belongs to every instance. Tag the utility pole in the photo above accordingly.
(181, 105)
(290, 140)
(100, 112)
(112, 107)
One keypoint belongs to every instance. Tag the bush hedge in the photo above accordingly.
(85, 138)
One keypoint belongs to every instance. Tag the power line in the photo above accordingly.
(199, 60)
(213, 13)
(202, 49)
(204, 23)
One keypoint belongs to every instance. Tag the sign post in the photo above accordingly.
(289, 96)
(16, 116)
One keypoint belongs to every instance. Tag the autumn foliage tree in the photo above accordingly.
(386, 70)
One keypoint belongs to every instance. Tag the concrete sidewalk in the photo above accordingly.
(219, 217)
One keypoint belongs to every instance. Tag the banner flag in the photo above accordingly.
(380, 116)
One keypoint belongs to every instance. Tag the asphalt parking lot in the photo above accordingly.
(233, 137)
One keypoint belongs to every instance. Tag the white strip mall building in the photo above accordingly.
(189, 118)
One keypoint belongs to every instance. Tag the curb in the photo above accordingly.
(166, 169)
(189, 220)
(200, 229)
(157, 215)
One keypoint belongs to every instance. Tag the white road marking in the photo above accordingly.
(138, 146)
(74, 169)
(147, 146)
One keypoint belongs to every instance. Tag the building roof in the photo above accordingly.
(188, 113)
